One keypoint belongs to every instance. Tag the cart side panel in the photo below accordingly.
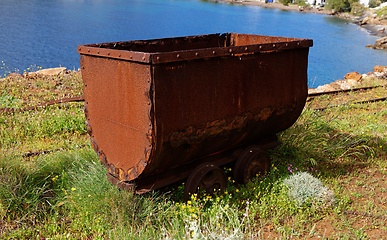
(252, 39)
(210, 105)
(118, 111)
(169, 44)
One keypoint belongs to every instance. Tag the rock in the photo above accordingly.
(14, 75)
(30, 75)
(343, 85)
(325, 88)
(52, 71)
(380, 69)
(381, 43)
(381, 75)
(311, 91)
(335, 86)
(375, 21)
(352, 83)
(354, 76)
(351, 80)
(46, 72)
(365, 21)
(381, 29)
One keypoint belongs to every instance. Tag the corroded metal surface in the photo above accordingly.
(191, 48)
(118, 110)
(156, 108)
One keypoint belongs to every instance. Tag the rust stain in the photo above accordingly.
(192, 135)
(264, 114)
(132, 174)
(121, 174)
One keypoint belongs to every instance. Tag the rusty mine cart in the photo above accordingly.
(166, 110)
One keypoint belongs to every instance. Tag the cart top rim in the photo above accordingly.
(164, 50)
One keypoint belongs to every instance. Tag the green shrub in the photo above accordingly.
(304, 189)
(357, 9)
(374, 3)
(8, 101)
(285, 2)
(301, 3)
(340, 5)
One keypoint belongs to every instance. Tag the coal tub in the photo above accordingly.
(166, 110)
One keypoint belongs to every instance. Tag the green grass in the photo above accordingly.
(382, 13)
(63, 192)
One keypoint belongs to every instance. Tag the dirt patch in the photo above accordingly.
(367, 189)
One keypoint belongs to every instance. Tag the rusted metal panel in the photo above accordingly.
(193, 47)
(211, 105)
(155, 107)
(118, 109)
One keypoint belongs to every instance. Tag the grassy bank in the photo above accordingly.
(53, 186)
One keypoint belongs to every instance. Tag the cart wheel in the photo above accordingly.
(205, 178)
(251, 163)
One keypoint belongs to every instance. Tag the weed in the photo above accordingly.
(7, 101)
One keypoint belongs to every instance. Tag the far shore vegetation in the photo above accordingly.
(350, 6)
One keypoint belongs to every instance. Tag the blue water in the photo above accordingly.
(46, 33)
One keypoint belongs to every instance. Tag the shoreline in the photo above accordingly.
(351, 80)
(372, 29)
(276, 5)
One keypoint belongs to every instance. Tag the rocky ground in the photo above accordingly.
(351, 80)
(355, 80)
(376, 25)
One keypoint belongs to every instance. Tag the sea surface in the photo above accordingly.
(45, 33)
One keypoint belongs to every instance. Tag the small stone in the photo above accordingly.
(30, 75)
(380, 69)
(343, 85)
(352, 83)
(52, 71)
(381, 74)
(335, 85)
(353, 75)
(14, 75)
(325, 88)
(365, 21)
(381, 43)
